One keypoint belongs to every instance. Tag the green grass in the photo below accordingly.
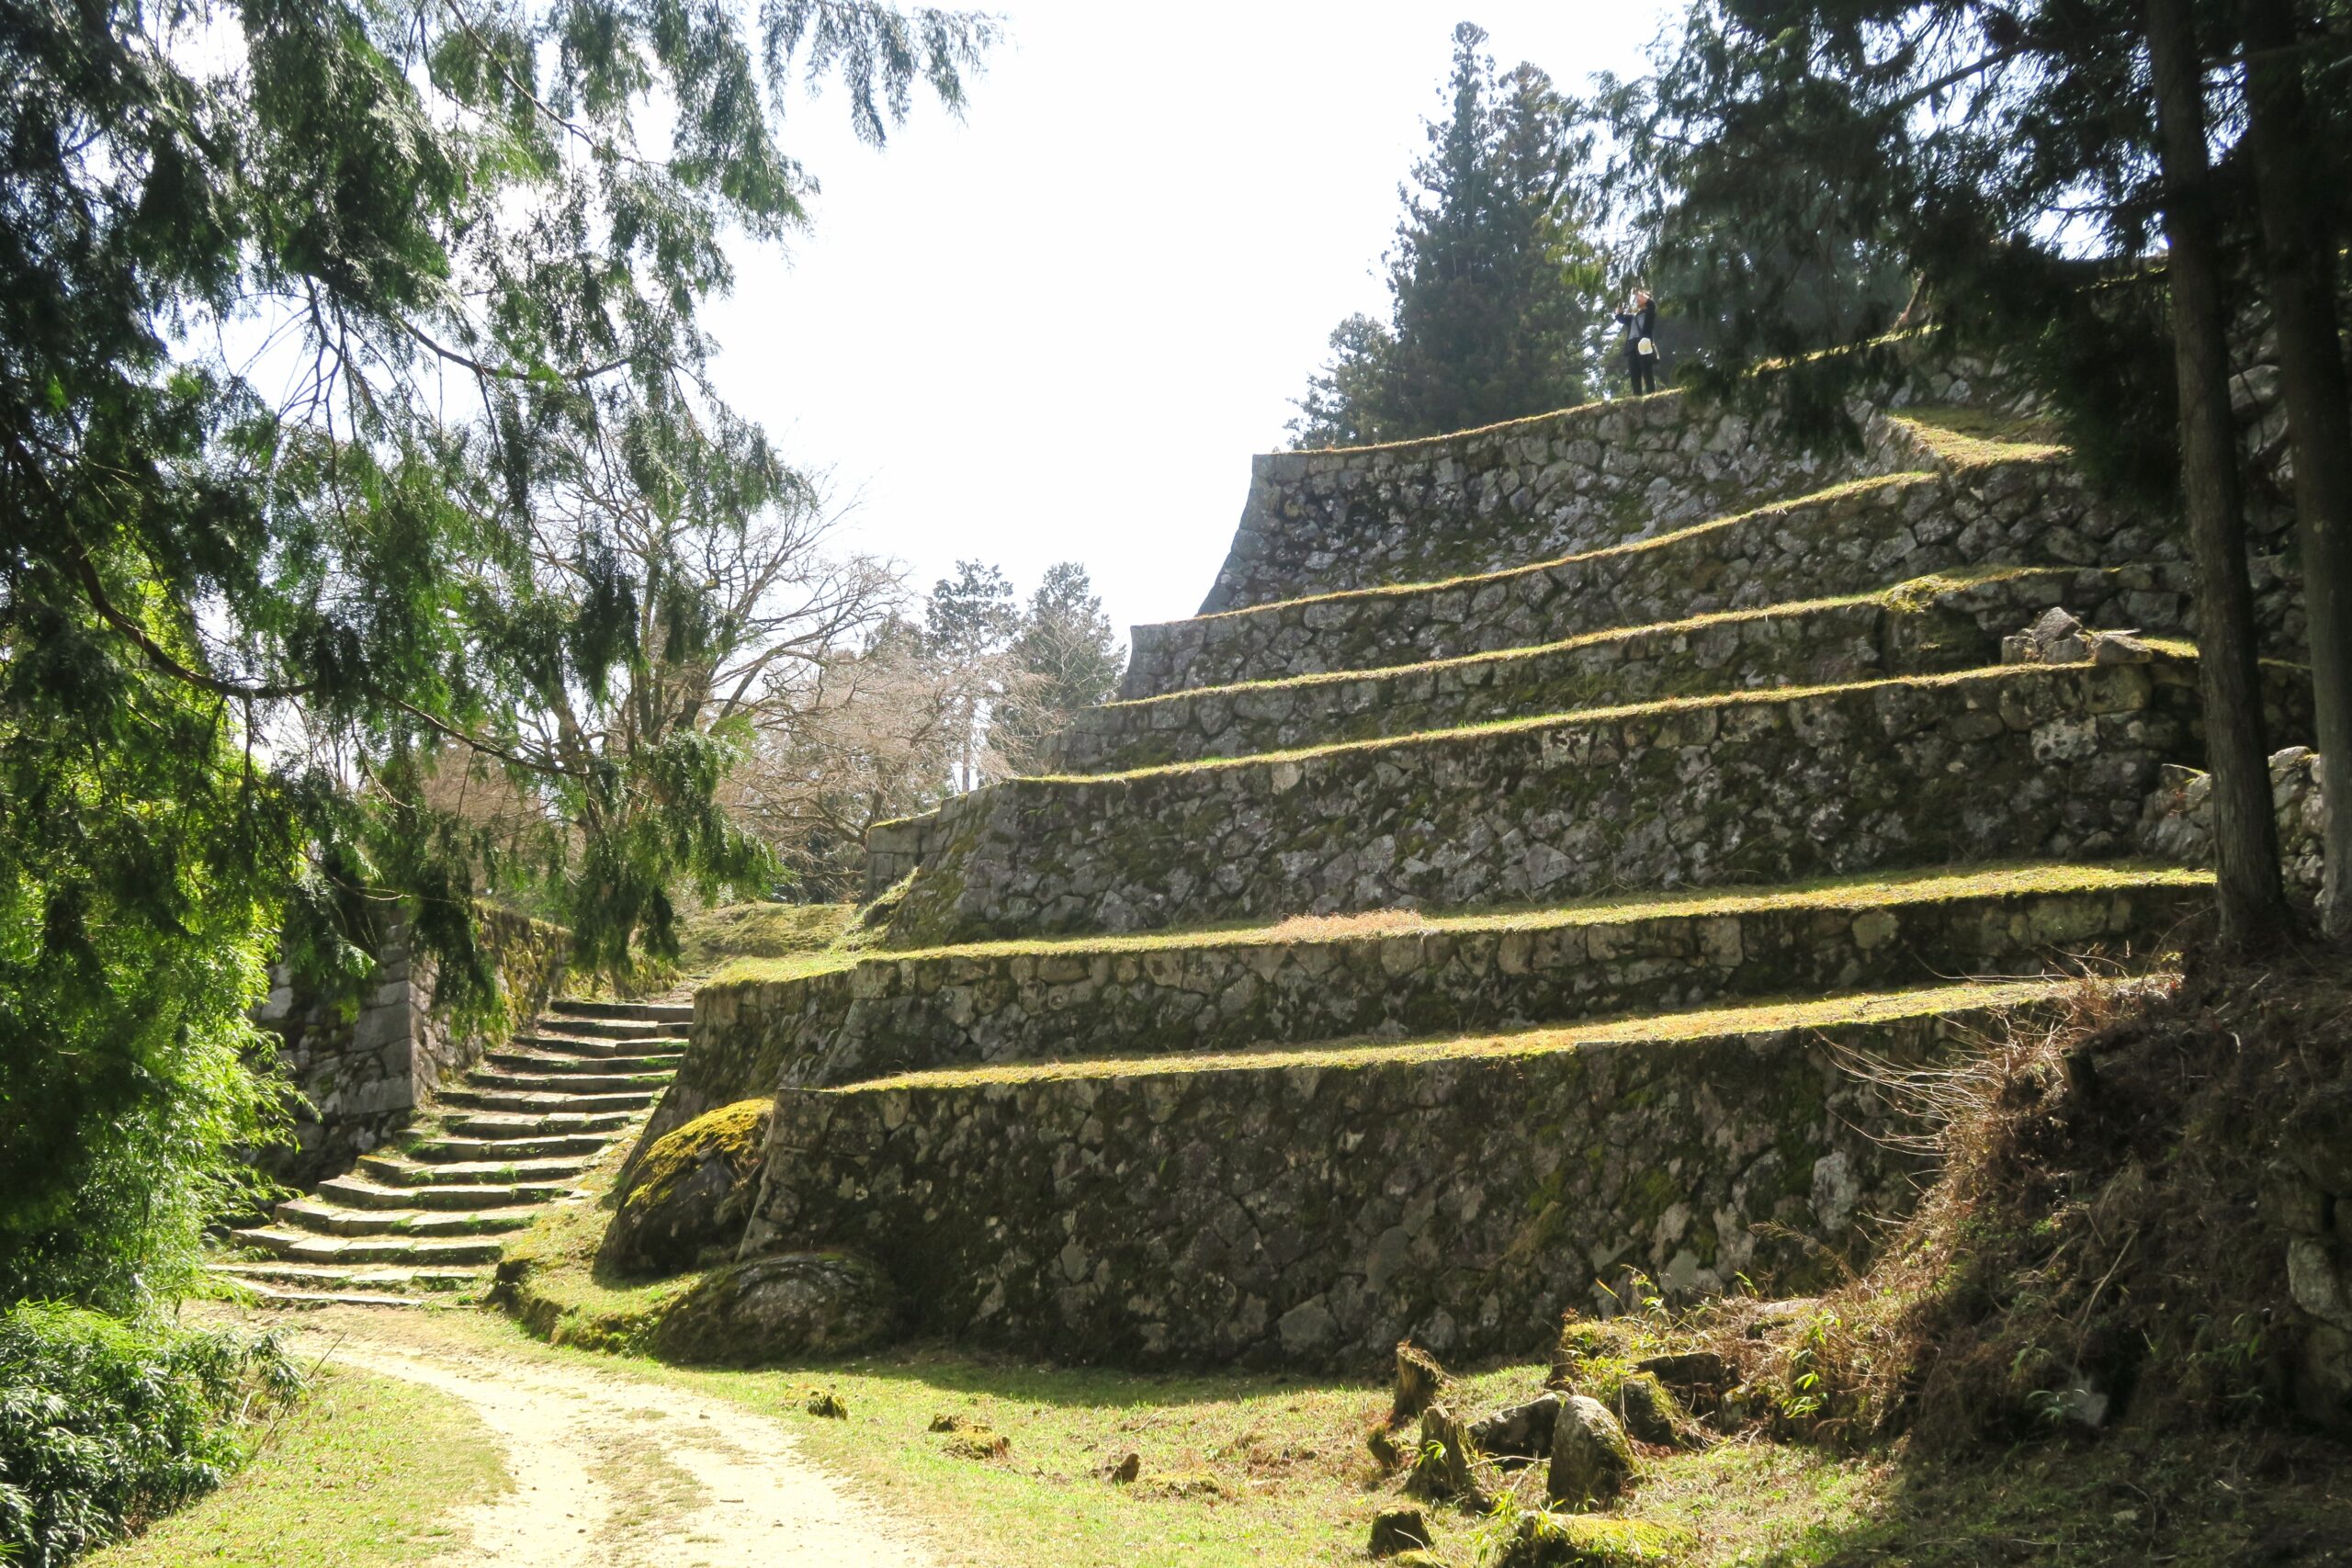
(548, 1277)
(1865, 890)
(1968, 437)
(369, 1470)
(1758, 1017)
(713, 937)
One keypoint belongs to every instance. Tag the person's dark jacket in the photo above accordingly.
(1638, 325)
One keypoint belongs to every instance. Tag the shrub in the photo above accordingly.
(104, 1425)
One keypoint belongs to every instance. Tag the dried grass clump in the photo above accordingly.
(2093, 1252)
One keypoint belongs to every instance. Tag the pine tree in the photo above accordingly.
(1493, 288)
(1065, 658)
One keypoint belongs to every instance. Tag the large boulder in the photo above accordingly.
(772, 1309)
(690, 1195)
(1522, 1431)
(1591, 1461)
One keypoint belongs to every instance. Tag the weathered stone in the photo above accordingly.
(1522, 1431)
(1447, 1465)
(1651, 1414)
(1543, 1539)
(1591, 1461)
(690, 1195)
(1395, 1530)
(769, 1309)
(1419, 1381)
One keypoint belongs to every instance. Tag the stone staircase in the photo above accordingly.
(424, 1221)
(1422, 955)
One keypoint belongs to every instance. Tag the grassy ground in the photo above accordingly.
(368, 1471)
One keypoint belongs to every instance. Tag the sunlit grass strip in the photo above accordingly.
(1976, 998)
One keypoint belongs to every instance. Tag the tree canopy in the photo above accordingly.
(1495, 294)
(309, 312)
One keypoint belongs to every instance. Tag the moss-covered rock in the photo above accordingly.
(1651, 1414)
(1585, 1541)
(797, 1303)
(1395, 1530)
(691, 1193)
(1591, 1461)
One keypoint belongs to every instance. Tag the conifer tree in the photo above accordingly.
(1495, 294)
(2000, 149)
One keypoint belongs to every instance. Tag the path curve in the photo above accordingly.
(609, 1469)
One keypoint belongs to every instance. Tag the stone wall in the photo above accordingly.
(1855, 539)
(1925, 626)
(1313, 1209)
(1472, 501)
(363, 1076)
(2177, 824)
(894, 1013)
(1749, 787)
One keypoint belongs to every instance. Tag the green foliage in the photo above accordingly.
(473, 245)
(104, 1426)
(1492, 283)
(1065, 657)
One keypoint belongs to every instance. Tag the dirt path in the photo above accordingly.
(608, 1468)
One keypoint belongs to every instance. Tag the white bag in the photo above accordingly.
(1647, 349)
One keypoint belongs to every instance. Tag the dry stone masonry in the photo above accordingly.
(1485, 898)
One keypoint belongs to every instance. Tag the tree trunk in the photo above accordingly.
(2300, 253)
(2245, 835)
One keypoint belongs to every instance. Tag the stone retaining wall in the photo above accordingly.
(362, 1077)
(1481, 499)
(900, 1014)
(2177, 824)
(1313, 1212)
(1924, 628)
(1757, 788)
(1858, 539)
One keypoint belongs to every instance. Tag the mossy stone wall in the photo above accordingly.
(1754, 788)
(1314, 1213)
(1856, 539)
(363, 1076)
(895, 1014)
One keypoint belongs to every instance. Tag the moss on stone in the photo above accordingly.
(732, 1132)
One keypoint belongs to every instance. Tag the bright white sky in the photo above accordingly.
(1058, 330)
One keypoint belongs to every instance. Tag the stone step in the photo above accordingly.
(1926, 627)
(2028, 762)
(500, 1125)
(1312, 1206)
(481, 1152)
(308, 1277)
(498, 1096)
(396, 1171)
(287, 1300)
(1400, 976)
(579, 1028)
(529, 1062)
(308, 1247)
(635, 1012)
(504, 1079)
(1854, 538)
(584, 1049)
(355, 1192)
(330, 1219)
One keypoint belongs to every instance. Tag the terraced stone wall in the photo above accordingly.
(2012, 512)
(895, 1013)
(363, 1076)
(1313, 1210)
(2178, 823)
(1753, 787)
(1557, 483)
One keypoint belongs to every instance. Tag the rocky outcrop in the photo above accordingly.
(778, 1308)
(689, 1196)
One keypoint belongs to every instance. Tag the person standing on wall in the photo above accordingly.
(1639, 317)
